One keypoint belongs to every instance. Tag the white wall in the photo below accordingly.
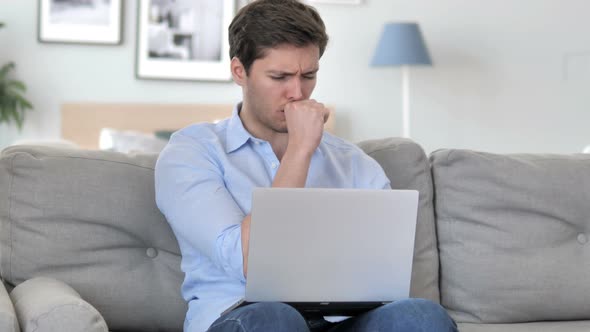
(509, 76)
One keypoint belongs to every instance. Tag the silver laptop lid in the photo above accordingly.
(331, 245)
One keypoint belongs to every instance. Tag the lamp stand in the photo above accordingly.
(406, 101)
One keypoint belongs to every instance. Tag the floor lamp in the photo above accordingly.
(401, 44)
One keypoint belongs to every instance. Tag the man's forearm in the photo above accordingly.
(245, 242)
(294, 169)
(291, 174)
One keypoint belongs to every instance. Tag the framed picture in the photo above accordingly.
(184, 40)
(81, 21)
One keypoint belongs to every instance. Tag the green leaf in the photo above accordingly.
(6, 69)
(11, 108)
(20, 119)
(3, 111)
(23, 103)
(26, 105)
(17, 85)
(13, 104)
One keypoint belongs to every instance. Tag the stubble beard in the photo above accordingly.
(268, 122)
(266, 119)
(277, 128)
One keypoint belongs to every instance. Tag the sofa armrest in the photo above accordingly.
(8, 320)
(46, 304)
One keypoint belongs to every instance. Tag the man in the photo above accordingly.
(206, 174)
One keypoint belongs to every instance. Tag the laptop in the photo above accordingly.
(331, 251)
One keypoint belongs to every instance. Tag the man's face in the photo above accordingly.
(285, 74)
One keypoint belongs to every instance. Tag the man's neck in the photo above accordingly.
(278, 141)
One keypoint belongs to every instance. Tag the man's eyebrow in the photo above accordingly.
(279, 73)
(311, 72)
(285, 73)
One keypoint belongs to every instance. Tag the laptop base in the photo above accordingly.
(321, 309)
(310, 309)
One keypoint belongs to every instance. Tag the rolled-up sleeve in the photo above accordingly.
(191, 193)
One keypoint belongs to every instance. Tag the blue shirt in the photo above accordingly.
(204, 180)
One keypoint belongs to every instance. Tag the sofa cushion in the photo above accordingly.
(8, 320)
(407, 167)
(89, 218)
(513, 235)
(49, 305)
(567, 326)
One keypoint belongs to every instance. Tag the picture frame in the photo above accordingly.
(184, 42)
(80, 21)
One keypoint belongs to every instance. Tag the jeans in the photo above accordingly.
(404, 315)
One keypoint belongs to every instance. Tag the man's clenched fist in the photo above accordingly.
(305, 124)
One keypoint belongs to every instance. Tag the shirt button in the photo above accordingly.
(582, 239)
(257, 142)
(151, 252)
(274, 165)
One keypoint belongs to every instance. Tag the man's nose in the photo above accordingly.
(295, 92)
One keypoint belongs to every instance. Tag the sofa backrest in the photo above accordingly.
(89, 218)
(513, 235)
(407, 167)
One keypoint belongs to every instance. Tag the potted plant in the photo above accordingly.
(13, 104)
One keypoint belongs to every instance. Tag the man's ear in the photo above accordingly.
(238, 71)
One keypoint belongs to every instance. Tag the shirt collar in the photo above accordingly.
(237, 135)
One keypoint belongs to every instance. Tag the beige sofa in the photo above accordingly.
(502, 240)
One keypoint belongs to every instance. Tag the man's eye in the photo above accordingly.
(311, 77)
(278, 78)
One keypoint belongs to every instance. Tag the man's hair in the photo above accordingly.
(265, 24)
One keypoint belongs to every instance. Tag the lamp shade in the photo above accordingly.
(401, 44)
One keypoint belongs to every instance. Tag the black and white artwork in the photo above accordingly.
(80, 21)
(184, 39)
(85, 12)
